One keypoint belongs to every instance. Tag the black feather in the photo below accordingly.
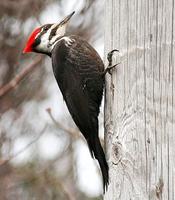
(78, 70)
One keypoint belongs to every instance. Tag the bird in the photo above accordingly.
(80, 75)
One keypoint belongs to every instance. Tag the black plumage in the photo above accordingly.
(79, 72)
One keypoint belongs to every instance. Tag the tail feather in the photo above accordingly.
(97, 152)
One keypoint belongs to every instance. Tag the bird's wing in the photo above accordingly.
(77, 70)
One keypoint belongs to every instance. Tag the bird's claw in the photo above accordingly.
(109, 57)
(108, 69)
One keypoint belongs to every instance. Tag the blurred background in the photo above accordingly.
(42, 154)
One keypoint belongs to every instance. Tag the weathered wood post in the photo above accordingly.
(140, 99)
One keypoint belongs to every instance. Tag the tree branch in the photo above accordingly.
(72, 132)
(26, 147)
(16, 80)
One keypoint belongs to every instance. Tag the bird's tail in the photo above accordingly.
(97, 152)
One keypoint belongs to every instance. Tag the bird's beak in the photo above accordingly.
(63, 22)
(60, 28)
(66, 19)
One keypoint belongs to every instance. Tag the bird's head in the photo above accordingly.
(43, 39)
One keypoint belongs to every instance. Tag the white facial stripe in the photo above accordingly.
(47, 45)
(45, 37)
(37, 35)
(44, 44)
(60, 31)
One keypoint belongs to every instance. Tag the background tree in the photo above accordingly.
(140, 99)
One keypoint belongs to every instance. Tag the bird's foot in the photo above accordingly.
(110, 66)
(109, 56)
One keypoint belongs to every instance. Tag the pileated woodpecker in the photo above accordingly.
(79, 72)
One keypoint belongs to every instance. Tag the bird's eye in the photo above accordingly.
(46, 28)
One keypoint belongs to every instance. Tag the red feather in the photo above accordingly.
(28, 47)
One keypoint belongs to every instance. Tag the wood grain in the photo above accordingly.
(140, 99)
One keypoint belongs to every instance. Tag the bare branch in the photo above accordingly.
(16, 80)
(23, 149)
(67, 193)
(73, 132)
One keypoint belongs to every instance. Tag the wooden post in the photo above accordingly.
(140, 99)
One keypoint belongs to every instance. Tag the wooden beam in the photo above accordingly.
(140, 99)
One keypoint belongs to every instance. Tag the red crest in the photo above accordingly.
(28, 47)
